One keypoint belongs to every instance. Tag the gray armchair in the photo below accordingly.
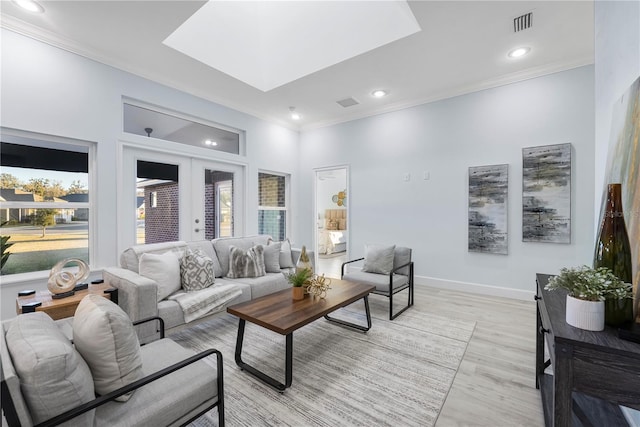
(177, 386)
(398, 279)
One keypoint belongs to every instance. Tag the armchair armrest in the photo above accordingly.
(72, 413)
(348, 262)
(149, 319)
(409, 264)
(137, 296)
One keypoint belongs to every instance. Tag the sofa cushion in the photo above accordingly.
(164, 269)
(222, 246)
(378, 259)
(267, 284)
(130, 258)
(171, 313)
(106, 339)
(169, 401)
(53, 376)
(196, 271)
(272, 257)
(248, 263)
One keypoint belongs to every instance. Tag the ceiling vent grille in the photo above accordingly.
(522, 22)
(348, 102)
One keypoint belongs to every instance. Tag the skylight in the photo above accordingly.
(267, 44)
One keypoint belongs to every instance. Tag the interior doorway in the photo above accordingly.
(331, 216)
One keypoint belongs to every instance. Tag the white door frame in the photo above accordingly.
(191, 184)
(316, 171)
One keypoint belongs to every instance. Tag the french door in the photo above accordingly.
(178, 197)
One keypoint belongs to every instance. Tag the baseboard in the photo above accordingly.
(474, 288)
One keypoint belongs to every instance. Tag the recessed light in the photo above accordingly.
(379, 93)
(519, 52)
(29, 5)
(210, 142)
(294, 115)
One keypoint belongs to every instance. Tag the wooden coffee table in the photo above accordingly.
(279, 313)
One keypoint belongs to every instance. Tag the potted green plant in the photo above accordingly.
(299, 279)
(587, 290)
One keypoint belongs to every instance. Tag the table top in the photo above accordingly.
(47, 302)
(555, 303)
(280, 313)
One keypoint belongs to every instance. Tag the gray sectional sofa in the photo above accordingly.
(137, 294)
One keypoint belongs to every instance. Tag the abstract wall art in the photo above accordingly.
(546, 194)
(488, 187)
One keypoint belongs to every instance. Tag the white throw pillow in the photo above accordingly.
(378, 259)
(53, 376)
(285, 253)
(272, 257)
(164, 269)
(104, 335)
(196, 271)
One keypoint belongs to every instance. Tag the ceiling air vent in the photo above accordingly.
(522, 22)
(348, 102)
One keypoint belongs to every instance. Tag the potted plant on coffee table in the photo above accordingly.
(299, 280)
(587, 288)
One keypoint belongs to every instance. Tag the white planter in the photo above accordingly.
(588, 315)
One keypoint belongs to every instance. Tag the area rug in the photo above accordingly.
(397, 374)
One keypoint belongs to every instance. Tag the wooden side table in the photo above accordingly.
(64, 307)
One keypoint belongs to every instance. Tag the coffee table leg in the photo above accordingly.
(353, 325)
(261, 375)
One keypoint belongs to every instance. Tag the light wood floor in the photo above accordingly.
(495, 385)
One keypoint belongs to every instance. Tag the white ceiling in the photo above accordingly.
(462, 48)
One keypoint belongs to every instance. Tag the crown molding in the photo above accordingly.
(503, 80)
(24, 28)
(56, 40)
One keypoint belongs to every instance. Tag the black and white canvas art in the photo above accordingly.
(546, 194)
(488, 187)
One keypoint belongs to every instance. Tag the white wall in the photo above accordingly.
(617, 54)
(51, 91)
(617, 49)
(445, 138)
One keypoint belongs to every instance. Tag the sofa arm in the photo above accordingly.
(137, 296)
(295, 255)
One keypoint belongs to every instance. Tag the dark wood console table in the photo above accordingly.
(593, 372)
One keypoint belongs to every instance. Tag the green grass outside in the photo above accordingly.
(41, 260)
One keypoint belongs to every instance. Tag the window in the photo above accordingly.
(158, 202)
(154, 124)
(272, 205)
(44, 210)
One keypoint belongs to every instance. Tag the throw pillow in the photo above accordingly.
(246, 264)
(53, 376)
(103, 334)
(285, 253)
(196, 271)
(272, 257)
(378, 259)
(164, 269)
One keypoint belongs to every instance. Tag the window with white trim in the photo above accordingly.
(272, 205)
(44, 200)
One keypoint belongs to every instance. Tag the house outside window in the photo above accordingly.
(44, 204)
(272, 205)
